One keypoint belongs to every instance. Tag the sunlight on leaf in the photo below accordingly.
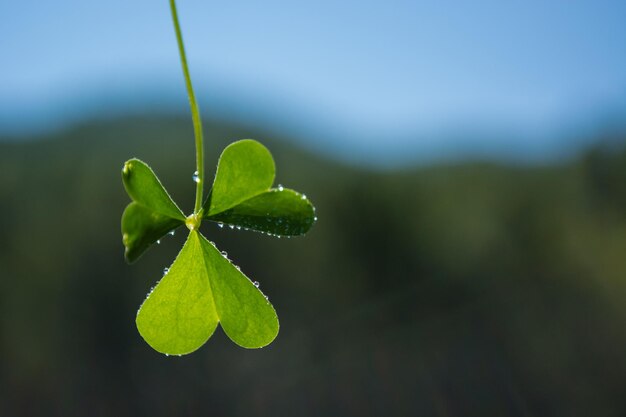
(201, 288)
(246, 316)
(245, 169)
(143, 186)
(179, 315)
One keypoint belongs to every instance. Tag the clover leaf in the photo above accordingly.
(245, 169)
(241, 194)
(278, 212)
(151, 215)
(202, 287)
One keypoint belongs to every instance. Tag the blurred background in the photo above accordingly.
(467, 163)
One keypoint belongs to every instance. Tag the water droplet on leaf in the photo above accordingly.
(195, 177)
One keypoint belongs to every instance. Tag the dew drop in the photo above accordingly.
(224, 253)
(238, 227)
(315, 218)
(280, 187)
(232, 226)
(167, 354)
(158, 241)
(256, 284)
(220, 225)
(126, 168)
(303, 196)
(195, 177)
(165, 271)
(171, 233)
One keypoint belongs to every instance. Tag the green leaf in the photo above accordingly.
(245, 169)
(141, 227)
(151, 214)
(201, 288)
(246, 315)
(179, 315)
(281, 212)
(144, 187)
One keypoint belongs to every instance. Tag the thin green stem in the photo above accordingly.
(195, 112)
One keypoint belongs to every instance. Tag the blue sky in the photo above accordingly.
(371, 74)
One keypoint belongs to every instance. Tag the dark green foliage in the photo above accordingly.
(463, 290)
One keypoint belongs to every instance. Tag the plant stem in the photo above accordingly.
(195, 112)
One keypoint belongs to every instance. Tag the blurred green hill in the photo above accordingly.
(461, 290)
